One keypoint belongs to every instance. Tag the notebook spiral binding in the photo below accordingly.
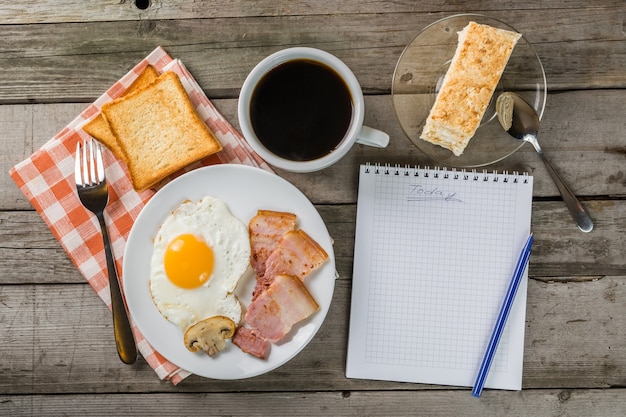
(452, 173)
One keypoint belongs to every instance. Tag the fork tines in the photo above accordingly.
(88, 168)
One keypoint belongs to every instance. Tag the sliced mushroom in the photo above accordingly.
(209, 335)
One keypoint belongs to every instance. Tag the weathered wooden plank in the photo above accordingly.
(575, 338)
(50, 11)
(30, 254)
(583, 139)
(582, 133)
(547, 403)
(57, 62)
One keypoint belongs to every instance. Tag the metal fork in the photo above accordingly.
(93, 193)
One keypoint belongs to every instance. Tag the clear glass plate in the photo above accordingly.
(420, 71)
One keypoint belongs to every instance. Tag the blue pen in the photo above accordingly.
(522, 262)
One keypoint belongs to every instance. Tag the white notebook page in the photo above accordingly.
(434, 254)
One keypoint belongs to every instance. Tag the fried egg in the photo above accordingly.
(200, 252)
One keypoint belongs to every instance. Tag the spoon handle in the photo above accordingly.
(576, 209)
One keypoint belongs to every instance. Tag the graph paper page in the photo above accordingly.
(434, 254)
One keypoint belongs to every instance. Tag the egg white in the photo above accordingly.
(228, 237)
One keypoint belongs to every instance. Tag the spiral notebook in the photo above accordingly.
(434, 253)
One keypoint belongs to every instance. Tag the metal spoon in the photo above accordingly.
(520, 120)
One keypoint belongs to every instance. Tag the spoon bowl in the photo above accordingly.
(521, 121)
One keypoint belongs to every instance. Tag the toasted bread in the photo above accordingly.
(476, 68)
(98, 127)
(159, 131)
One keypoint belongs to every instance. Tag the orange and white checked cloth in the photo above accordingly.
(47, 179)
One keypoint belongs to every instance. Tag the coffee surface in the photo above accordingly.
(301, 110)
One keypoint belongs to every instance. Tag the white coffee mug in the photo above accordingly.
(356, 132)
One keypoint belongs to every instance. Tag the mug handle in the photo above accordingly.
(372, 137)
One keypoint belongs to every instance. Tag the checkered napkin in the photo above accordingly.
(47, 179)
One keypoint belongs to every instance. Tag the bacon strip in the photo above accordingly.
(250, 342)
(281, 257)
(297, 255)
(285, 302)
(267, 228)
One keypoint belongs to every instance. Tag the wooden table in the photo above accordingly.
(57, 355)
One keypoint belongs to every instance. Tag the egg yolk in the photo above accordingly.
(188, 261)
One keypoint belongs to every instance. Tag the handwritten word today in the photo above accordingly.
(420, 193)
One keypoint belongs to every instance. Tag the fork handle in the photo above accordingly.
(124, 340)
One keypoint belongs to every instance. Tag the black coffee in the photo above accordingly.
(301, 110)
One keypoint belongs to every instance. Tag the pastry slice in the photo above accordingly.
(478, 63)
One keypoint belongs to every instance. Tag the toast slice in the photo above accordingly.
(476, 68)
(159, 131)
(98, 127)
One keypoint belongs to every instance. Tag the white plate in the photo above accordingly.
(245, 190)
